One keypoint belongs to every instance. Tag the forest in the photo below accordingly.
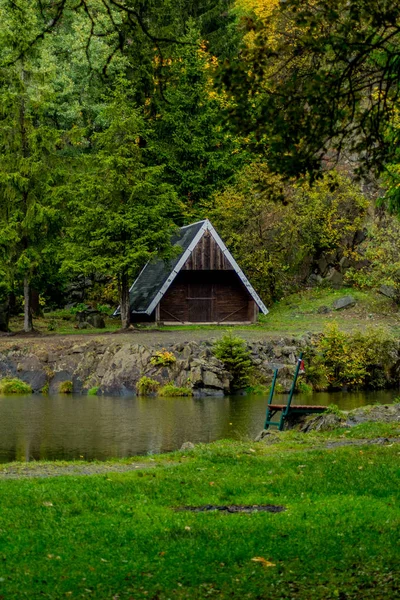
(124, 119)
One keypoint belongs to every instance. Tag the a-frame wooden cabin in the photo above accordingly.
(203, 284)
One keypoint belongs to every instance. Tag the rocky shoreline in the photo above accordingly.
(115, 366)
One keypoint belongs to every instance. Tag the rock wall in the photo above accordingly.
(116, 367)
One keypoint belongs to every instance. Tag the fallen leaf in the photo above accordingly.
(251, 450)
(211, 483)
(47, 504)
(263, 561)
(187, 528)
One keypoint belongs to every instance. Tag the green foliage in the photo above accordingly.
(301, 97)
(172, 391)
(381, 250)
(120, 203)
(163, 358)
(275, 231)
(93, 391)
(304, 388)
(66, 387)
(354, 360)
(232, 351)
(14, 386)
(146, 386)
(257, 389)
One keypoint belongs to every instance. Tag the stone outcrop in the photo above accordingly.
(115, 367)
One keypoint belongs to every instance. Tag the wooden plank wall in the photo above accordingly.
(207, 256)
(199, 297)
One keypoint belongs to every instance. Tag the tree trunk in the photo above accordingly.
(125, 303)
(28, 325)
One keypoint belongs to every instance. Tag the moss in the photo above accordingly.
(45, 388)
(172, 391)
(66, 387)
(93, 391)
(146, 386)
(14, 386)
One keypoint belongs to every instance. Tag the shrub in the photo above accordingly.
(303, 387)
(172, 391)
(233, 353)
(163, 358)
(258, 389)
(353, 360)
(93, 391)
(146, 386)
(14, 386)
(66, 387)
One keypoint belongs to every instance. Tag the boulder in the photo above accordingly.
(334, 278)
(389, 291)
(322, 265)
(96, 320)
(187, 446)
(323, 310)
(315, 279)
(344, 302)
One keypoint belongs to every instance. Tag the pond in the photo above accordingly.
(90, 427)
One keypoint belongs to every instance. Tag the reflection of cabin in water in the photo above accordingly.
(201, 285)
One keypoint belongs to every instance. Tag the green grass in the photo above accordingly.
(118, 536)
(293, 315)
(14, 386)
(172, 391)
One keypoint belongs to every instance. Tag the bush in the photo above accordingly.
(163, 358)
(146, 386)
(233, 353)
(304, 388)
(66, 387)
(170, 390)
(14, 386)
(93, 391)
(353, 360)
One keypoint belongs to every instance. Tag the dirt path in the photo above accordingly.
(134, 337)
(24, 470)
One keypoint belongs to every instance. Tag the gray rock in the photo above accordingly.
(322, 265)
(315, 279)
(323, 310)
(344, 302)
(187, 446)
(96, 320)
(334, 278)
(84, 325)
(345, 262)
(389, 291)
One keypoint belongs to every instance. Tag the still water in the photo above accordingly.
(72, 427)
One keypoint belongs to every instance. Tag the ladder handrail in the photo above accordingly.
(292, 389)
(271, 395)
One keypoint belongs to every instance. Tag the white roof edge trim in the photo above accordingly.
(191, 224)
(238, 270)
(178, 266)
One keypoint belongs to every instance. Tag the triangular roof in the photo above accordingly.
(156, 277)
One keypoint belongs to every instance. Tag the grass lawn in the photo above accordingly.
(116, 535)
(294, 315)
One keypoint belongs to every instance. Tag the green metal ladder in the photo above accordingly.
(272, 409)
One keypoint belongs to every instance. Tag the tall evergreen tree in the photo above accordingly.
(120, 205)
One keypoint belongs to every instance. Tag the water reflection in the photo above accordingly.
(71, 427)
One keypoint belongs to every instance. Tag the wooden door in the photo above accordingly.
(200, 302)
